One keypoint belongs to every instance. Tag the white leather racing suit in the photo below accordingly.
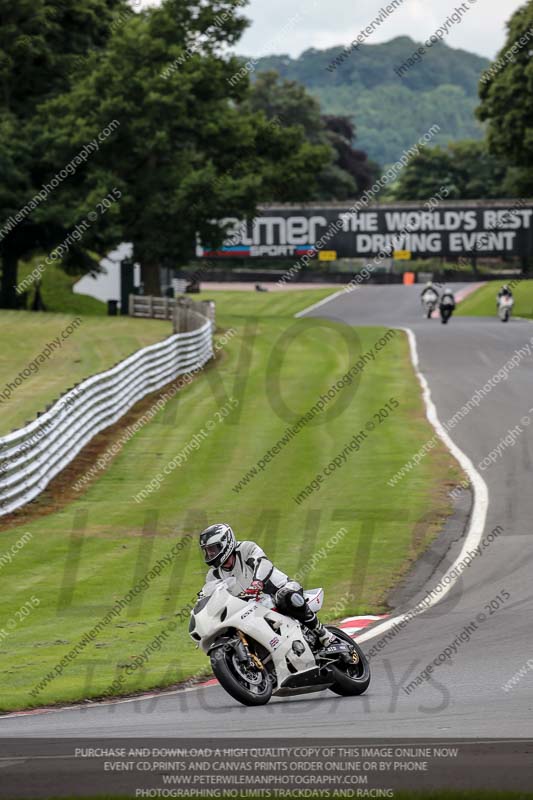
(251, 564)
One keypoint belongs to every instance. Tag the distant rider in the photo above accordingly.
(504, 292)
(447, 299)
(428, 288)
(254, 573)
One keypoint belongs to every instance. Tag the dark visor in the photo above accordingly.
(212, 550)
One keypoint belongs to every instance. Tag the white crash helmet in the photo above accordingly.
(218, 543)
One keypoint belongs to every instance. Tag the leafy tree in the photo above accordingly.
(349, 160)
(348, 173)
(518, 182)
(189, 149)
(465, 169)
(506, 92)
(39, 43)
(287, 101)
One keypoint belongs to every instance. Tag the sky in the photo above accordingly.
(292, 26)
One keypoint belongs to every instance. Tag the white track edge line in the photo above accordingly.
(481, 493)
(479, 510)
(320, 303)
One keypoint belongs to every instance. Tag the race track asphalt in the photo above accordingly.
(464, 697)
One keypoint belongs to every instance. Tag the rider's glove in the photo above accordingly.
(255, 588)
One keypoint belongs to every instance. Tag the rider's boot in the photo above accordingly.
(313, 623)
(325, 637)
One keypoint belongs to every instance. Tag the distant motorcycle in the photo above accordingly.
(505, 307)
(256, 652)
(429, 301)
(446, 308)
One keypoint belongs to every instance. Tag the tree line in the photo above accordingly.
(119, 124)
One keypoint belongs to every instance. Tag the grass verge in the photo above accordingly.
(90, 346)
(482, 302)
(79, 561)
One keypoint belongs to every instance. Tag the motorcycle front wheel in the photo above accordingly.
(354, 678)
(248, 684)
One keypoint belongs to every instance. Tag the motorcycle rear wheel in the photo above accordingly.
(352, 680)
(251, 687)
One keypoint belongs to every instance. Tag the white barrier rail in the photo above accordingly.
(32, 456)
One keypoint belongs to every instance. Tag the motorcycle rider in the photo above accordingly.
(504, 292)
(254, 573)
(429, 287)
(447, 298)
(446, 305)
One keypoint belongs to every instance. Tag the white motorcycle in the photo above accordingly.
(429, 301)
(505, 307)
(256, 652)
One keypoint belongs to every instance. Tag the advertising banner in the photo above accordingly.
(450, 230)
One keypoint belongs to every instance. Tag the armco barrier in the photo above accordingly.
(31, 456)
